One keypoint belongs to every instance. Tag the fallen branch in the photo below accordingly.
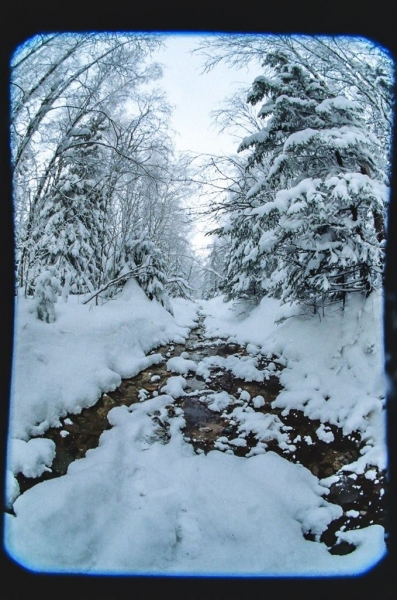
(118, 279)
(182, 282)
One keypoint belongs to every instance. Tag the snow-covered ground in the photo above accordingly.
(334, 366)
(140, 505)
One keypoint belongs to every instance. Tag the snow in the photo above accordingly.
(143, 503)
(218, 401)
(244, 367)
(325, 434)
(339, 103)
(207, 514)
(258, 401)
(344, 137)
(181, 365)
(31, 458)
(175, 386)
(334, 367)
(265, 427)
(66, 365)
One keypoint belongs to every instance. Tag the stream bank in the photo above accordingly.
(218, 425)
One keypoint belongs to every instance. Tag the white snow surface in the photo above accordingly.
(181, 365)
(175, 386)
(65, 366)
(140, 504)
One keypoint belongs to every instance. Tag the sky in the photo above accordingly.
(195, 94)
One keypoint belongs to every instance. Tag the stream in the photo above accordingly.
(362, 499)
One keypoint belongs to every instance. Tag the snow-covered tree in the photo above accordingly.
(313, 225)
(59, 81)
(356, 67)
(72, 218)
(56, 73)
(154, 205)
(143, 253)
(214, 265)
(96, 184)
(237, 274)
(324, 239)
(47, 287)
(243, 273)
(323, 199)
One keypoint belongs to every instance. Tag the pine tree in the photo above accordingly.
(318, 230)
(46, 295)
(243, 273)
(142, 252)
(73, 213)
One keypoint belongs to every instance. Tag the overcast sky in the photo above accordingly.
(195, 94)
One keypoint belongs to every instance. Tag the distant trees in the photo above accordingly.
(96, 185)
(213, 267)
(233, 250)
(312, 225)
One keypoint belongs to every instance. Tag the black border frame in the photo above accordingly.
(376, 21)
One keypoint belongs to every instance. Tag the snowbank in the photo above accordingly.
(65, 366)
(62, 367)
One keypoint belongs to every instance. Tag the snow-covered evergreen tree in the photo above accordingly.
(73, 215)
(317, 232)
(324, 239)
(47, 287)
(242, 272)
(144, 254)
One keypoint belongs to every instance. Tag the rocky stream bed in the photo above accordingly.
(362, 497)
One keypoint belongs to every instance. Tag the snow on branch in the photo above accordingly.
(119, 279)
(180, 281)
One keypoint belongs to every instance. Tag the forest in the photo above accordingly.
(220, 377)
